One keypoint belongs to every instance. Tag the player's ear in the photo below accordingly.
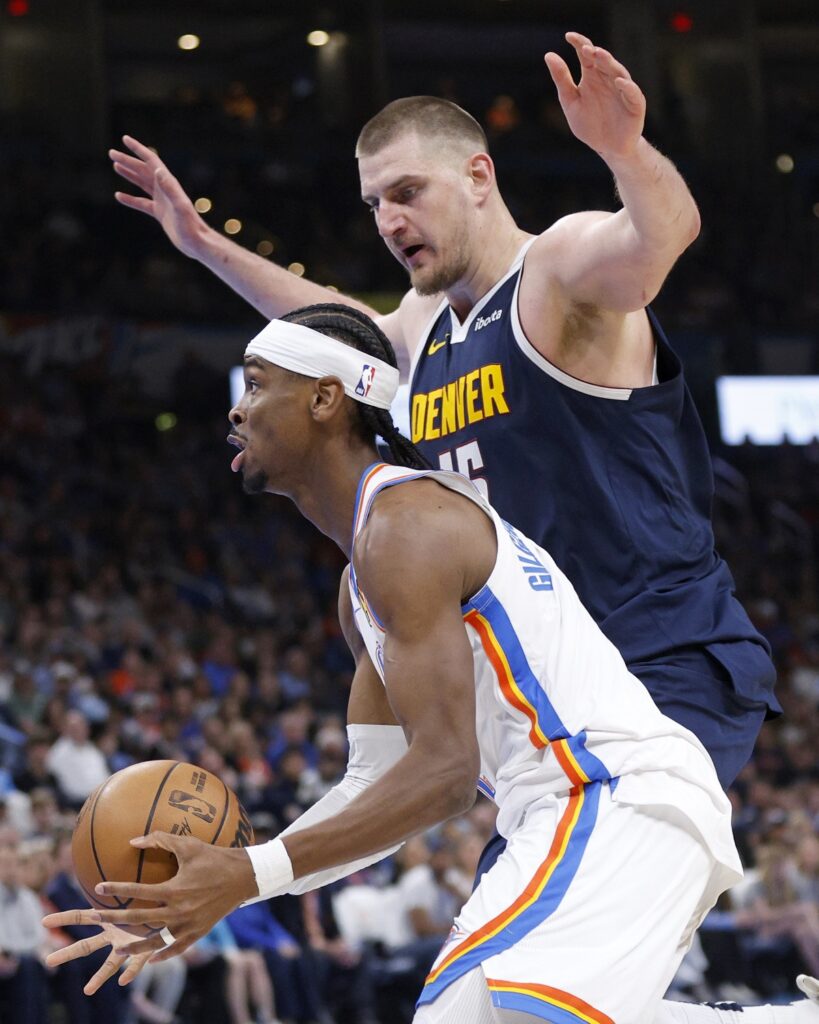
(327, 398)
(481, 173)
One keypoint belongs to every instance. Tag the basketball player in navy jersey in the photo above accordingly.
(475, 660)
(540, 373)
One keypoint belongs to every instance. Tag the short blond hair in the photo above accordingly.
(429, 117)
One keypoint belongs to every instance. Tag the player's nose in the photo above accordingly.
(390, 219)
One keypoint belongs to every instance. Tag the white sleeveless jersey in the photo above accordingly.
(556, 707)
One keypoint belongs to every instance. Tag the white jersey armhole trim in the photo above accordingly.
(528, 349)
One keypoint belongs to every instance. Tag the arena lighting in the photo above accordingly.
(17, 8)
(784, 163)
(188, 42)
(681, 22)
(318, 37)
(165, 421)
(297, 268)
(768, 409)
(203, 205)
(232, 226)
(265, 247)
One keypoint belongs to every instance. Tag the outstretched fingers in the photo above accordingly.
(561, 76)
(609, 65)
(108, 970)
(142, 151)
(77, 949)
(135, 177)
(133, 966)
(71, 918)
(135, 202)
(630, 93)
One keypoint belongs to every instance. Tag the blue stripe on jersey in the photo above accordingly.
(487, 604)
(534, 910)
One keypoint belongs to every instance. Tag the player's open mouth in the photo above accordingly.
(410, 252)
(240, 443)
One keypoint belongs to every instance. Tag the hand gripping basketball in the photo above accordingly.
(210, 882)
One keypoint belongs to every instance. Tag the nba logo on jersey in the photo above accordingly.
(365, 381)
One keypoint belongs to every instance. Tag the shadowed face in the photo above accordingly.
(269, 426)
(419, 192)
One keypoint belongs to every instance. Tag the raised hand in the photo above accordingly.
(605, 109)
(165, 200)
(109, 935)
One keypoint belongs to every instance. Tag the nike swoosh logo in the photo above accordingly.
(435, 346)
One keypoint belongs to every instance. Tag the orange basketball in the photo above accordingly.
(154, 796)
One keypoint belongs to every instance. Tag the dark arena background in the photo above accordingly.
(148, 609)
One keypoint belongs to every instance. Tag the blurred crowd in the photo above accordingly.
(251, 152)
(149, 609)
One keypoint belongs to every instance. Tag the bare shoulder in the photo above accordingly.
(568, 231)
(405, 516)
(422, 540)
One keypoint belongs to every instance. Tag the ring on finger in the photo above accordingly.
(167, 936)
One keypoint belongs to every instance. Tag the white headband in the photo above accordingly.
(305, 351)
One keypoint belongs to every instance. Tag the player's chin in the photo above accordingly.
(425, 282)
(254, 481)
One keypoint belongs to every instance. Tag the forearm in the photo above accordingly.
(374, 749)
(269, 288)
(659, 207)
(410, 798)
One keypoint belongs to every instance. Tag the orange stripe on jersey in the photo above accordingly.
(506, 678)
(568, 763)
(555, 996)
(529, 895)
(365, 483)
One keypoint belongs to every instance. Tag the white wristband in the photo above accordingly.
(271, 866)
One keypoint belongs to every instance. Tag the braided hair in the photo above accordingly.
(355, 328)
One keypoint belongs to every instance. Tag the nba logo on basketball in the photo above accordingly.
(365, 381)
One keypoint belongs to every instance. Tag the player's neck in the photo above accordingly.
(498, 243)
(327, 493)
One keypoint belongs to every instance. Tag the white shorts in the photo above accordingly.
(585, 916)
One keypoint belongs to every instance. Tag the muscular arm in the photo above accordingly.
(617, 261)
(417, 591)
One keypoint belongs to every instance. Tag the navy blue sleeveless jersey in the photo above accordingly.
(615, 483)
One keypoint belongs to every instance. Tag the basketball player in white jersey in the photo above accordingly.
(475, 664)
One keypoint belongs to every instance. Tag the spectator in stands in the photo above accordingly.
(22, 943)
(255, 928)
(35, 773)
(776, 904)
(77, 763)
(157, 989)
(64, 893)
(246, 979)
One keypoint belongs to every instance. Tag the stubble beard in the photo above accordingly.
(444, 276)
